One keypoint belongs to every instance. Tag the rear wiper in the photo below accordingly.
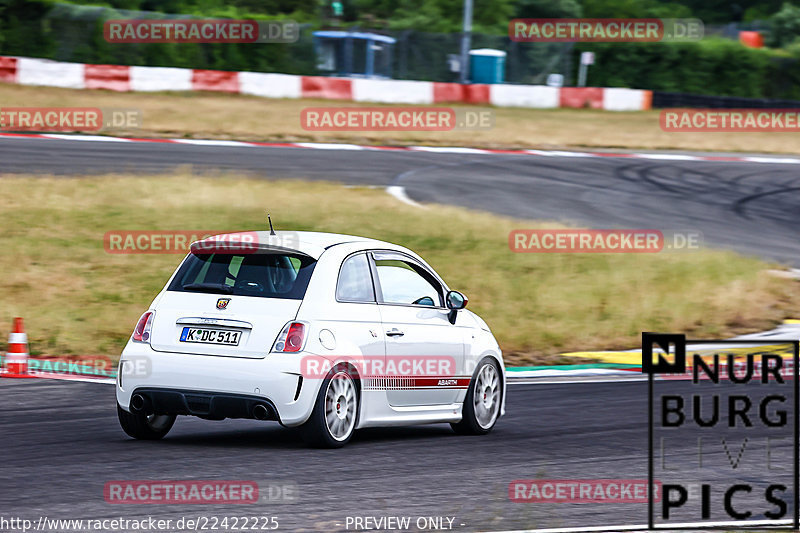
(209, 287)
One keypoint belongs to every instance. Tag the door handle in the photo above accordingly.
(394, 332)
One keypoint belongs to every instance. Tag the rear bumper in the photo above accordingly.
(216, 387)
(211, 405)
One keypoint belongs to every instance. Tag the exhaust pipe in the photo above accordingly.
(138, 403)
(260, 412)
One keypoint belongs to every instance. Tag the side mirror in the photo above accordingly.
(456, 300)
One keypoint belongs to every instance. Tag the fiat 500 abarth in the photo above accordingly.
(328, 332)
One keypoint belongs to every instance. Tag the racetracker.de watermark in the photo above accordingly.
(395, 119)
(200, 31)
(180, 492)
(196, 241)
(64, 119)
(612, 30)
(730, 120)
(602, 241)
(580, 490)
(434, 367)
(144, 492)
(96, 365)
(91, 365)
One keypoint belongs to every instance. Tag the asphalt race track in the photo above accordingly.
(61, 440)
(743, 206)
(62, 443)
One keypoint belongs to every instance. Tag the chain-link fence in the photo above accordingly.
(424, 56)
(67, 32)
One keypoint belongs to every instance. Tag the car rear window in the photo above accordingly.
(265, 275)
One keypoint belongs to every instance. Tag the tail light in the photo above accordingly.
(144, 327)
(291, 339)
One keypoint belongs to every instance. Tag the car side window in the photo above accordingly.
(355, 281)
(403, 282)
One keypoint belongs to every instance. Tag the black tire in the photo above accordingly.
(145, 427)
(316, 431)
(471, 418)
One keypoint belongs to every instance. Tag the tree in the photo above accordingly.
(785, 26)
(547, 9)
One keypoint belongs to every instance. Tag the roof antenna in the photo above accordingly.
(271, 229)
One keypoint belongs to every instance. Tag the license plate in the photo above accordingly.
(211, 336)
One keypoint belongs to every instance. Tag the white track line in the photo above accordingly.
(785, 160)
(205, 142)
(106, 381)
(573, 381)
(560, 153)
(448, 149)
(92, 138)
(400, 193)
(331, 146)
(434, 149)
(63, 377)
(667, 157)
(511, 380)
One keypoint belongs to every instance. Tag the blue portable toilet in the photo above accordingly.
(487, 65)
(354, 53)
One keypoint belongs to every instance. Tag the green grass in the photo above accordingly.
(241, 117)
(78, 299)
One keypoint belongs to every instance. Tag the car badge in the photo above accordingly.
(222, 303)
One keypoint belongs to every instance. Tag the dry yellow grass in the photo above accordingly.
(78, 299)
(221, 116)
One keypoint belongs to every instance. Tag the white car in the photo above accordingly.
(329, 332)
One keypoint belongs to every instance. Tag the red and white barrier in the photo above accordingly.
(215, 80)
(152, 79)
(578, 97)
(8, 69)
(270, 85)
(393, 91)
(31, 71)
(108, 77)
(326, 88)
(627, 99)
(455, 92)
(538, 96)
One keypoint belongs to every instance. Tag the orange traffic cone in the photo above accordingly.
(17, 356)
